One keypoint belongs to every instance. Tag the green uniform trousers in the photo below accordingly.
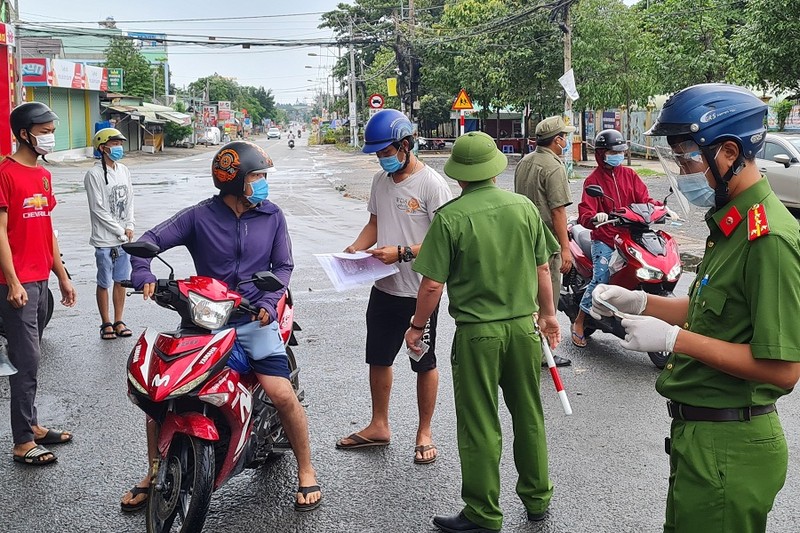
(724, 476)
(509, 354)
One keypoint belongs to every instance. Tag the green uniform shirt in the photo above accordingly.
(746, 292)
(486, 245)
(541, 176)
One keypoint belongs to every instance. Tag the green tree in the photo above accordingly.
(766, 45)
(609, 56)
(138, 73)
(689, 41)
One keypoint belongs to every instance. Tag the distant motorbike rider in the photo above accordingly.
(216, 232)
(624, 187)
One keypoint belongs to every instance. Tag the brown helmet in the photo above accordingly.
(234, 162)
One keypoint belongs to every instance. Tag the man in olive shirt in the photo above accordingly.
(496, 342)
(735, 340)
(542, 177)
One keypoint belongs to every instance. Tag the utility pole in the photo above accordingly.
(567, 29)
(352, 91)
(17, 57)
(412, 74)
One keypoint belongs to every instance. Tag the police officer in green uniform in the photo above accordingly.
(542, 177)
(735, 340)
(496, 341)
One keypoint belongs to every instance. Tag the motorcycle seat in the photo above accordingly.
(583, 236)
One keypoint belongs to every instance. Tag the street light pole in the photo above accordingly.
(352, 95)
(17, 57)
(567, 29)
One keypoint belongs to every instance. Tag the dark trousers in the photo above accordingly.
(24, 331)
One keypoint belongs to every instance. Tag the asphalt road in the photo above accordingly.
(607, 460)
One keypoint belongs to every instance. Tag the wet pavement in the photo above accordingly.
(607, 460)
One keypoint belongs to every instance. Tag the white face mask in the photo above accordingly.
(45, 144)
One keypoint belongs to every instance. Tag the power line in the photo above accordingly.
(208, 19)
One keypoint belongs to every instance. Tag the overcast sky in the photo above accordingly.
(280, 69)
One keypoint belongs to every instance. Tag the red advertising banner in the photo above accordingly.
(43, 72)
(34, 71)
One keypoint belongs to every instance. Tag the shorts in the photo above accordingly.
(387, 322)
(259, 349)
(113, 265)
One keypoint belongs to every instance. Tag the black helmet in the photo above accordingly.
(234, 162)
(610, 140)
(26, 115)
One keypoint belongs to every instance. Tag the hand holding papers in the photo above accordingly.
(347, 271)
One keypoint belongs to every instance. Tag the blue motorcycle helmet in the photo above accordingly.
(386, 127)
(709, 114)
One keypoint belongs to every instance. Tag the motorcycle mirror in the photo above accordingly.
(267, 282)
(264, 281)
(146, 250)
(595, 191)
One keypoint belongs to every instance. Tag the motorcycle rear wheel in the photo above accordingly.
(187, 489)
(659, 358)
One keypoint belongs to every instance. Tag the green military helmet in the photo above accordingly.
(475, 157)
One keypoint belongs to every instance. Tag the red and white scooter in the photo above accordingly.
(643, 259)
(214, 420)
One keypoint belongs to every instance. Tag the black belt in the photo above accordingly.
(707, 414)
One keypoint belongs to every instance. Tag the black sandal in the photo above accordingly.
(124, 332)
(135, 491)
(107, 335)
(36, 456)
(305, 491)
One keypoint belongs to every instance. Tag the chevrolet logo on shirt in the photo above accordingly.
(37, 202)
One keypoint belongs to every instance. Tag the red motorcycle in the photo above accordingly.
(643, 259)
(213, 416)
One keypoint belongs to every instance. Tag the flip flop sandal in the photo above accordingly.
(422, 448)
(36, 456)
(107, 335)
(581, 342)
(305, 491)
(136, 491)
(54, 437)
(124, 332)
(359, 442)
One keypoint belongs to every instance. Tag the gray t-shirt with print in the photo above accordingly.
(404, 211)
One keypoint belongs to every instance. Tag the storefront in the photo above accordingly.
(72, 90)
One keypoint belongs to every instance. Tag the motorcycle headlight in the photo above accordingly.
(208, 313)
(674, 272)
(136, 384)
(647, 273)
(189, 386)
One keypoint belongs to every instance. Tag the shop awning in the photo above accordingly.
(181, 119)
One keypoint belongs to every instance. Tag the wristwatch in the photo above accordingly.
(412, 326)
(407, 255)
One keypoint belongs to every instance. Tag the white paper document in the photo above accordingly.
(347, 271)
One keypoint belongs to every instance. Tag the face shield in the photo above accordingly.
(686, 171)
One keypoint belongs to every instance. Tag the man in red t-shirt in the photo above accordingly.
(28, 252)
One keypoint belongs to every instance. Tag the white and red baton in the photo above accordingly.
(551, 364)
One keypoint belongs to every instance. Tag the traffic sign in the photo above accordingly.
(462, 102)
(376, 101)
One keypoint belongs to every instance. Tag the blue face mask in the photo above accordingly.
(696, 189)
(116, 153)
(615, 160)
(390, 164)
(260, 191)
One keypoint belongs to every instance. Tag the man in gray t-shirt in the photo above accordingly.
(403, 200)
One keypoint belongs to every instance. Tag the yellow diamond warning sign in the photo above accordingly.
(462, 101)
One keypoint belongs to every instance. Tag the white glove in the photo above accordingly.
(599, 218)
(672, 215)
(648, 334)
(628, 302)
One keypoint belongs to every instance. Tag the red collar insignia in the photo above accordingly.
(729, 221)
(757, 224)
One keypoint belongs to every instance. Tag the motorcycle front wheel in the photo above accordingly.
(659, 358)
(181, 504)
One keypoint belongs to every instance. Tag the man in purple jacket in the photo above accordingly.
(231, 237)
